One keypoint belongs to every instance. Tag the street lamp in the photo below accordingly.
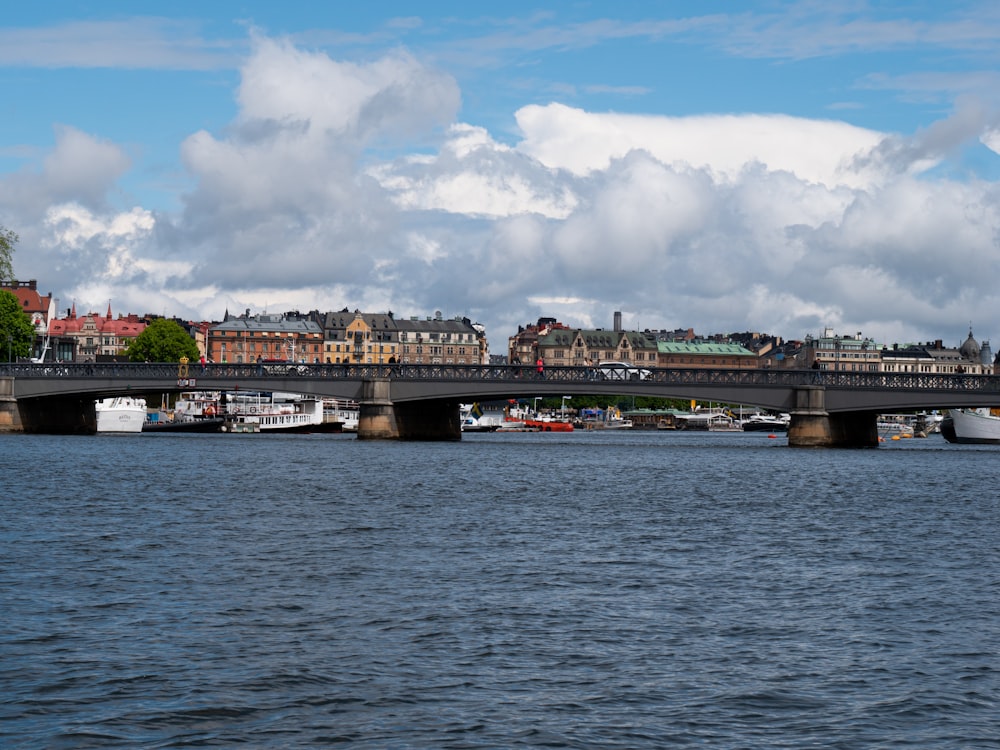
(10, 340)
(562, 409)
(535, 405)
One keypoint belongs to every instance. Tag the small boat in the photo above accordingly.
(981, 426)
(713, 419)
(604, 419)
(194, 411)
(120, 414)
(516, 419)
(475, 419)
(548, 425)
(341, 415)
(892, 425)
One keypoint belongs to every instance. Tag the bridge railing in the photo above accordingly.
(501, 373)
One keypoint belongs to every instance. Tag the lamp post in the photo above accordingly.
(562, 408)
(535, 405)
(10, 340)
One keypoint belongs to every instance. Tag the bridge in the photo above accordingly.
(414, 402)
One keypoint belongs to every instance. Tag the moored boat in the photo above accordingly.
(274, 412)
(713, 419)
(976, 426)
(194, 411)
(341, 415)
(548, 425)
(603, 419)
(120, 414)
(759, 422)
(474, 418)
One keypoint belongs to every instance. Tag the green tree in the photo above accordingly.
(162, 341)
(16, 331)
(8, 239)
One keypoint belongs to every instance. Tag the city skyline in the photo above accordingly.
(784, 168)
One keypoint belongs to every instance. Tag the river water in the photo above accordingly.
(585, 590)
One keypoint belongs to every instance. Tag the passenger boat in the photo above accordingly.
(120, 414)
(273, 412)
(972, 426)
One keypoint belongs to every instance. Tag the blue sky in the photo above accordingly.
(782, 167)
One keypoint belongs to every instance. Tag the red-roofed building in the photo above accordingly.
(93, 335)
(35, 305)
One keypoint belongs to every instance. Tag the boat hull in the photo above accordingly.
(120, 414)
(539, 425)
(208, 424)
(754, 425)
(971, 426)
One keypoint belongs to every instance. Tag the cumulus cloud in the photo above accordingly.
(356, 184)
(813, 150)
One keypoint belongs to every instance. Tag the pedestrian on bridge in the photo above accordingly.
(540, 368)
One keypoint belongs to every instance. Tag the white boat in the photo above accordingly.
(714, 419)
(895, 424)
(760, 422)
(342, 412)
(971, 426)
(604, 419)
(120, 414)
(260, 412)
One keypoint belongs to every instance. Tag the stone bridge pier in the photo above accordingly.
(381, 419)
(813, 426)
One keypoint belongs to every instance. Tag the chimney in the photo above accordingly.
(618, 321)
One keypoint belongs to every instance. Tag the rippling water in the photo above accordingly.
(585, 590)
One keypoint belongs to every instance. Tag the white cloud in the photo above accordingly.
(348, 184)
(991, 139)
(473, 175)
(813, 150)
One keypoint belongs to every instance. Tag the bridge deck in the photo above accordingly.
(773, 389)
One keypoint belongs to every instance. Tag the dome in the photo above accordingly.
(970, 349)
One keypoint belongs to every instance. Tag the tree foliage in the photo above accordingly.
(8, 239)
(16, 331)
(162, 341)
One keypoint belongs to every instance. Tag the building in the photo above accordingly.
(934, 358)
(93, 336)
(358, 338)
(840, 353)
(40, 308)
(706, 354)
(36, 306)
(437, 340)
(382, 338)
(559, 345)
(247, 338)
